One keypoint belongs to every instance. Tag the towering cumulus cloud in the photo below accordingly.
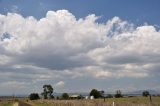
(60, 47)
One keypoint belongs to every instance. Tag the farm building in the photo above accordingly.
(74, 96)
(89, 97)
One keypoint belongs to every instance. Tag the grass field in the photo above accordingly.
(5, 103)
(132, 101)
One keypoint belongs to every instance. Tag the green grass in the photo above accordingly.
(6, 103)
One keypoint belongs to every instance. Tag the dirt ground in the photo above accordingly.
(21, 104)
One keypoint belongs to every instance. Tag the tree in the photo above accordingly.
(145, 93)
(95, 93)
(65, 96)
(47, 91)
(118, 94)
(34, 96)
(44, 93)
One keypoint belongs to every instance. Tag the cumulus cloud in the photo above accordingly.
(60, 84)
(61, 46)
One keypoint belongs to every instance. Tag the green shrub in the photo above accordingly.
(34, 96)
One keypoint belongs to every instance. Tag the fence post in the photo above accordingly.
(150, 97)
(113, 103)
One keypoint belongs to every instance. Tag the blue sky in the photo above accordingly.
(65, 43)
(131, 10)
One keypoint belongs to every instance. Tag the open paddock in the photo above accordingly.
(132, 101)
(129, 101)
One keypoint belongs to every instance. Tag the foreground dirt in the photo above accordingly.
(21, 104)
(15, 104)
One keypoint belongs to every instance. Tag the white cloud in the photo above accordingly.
(60, 84)
(60, 46)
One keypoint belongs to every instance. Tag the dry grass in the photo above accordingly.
(134, 101)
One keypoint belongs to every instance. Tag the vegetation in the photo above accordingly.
(95, 93)
(118, 94)
(6, 103)
(65, 96)
(65, 101)
(145, 93)
(47, 91)
(132, 101)
(34, 96)
(128, 101)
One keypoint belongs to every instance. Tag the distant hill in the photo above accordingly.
(152, 92)
(132, 93)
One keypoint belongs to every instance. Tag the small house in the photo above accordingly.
(74, 96)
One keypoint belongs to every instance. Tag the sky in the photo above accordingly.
(78, 45)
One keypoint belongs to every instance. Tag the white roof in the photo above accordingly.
(73, 96)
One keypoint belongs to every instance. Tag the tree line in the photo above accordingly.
(48, 94)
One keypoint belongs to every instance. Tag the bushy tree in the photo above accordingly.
(95, 93)
(118, 94)
(65, 96)
(145, 93)
(34, 96)
(47, 91)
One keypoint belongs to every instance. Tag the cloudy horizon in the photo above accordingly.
(76, 54)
